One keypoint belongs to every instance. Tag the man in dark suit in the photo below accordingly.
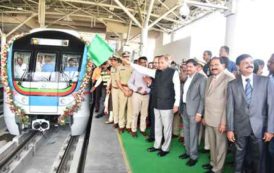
(270, 66)
(250, 116)
(191, 108)
(167, 99)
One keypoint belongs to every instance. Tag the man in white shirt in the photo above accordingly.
(140, 98)
(191, 108)
(20, 68)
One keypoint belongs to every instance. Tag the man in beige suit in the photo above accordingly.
(215, 114)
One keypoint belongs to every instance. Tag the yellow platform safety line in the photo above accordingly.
(123, 152)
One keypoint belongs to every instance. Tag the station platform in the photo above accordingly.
(111, 152)
(105, 152)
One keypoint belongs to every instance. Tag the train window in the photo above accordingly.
(45, 67)
(21, 64)
(45, 62)
(70, 66)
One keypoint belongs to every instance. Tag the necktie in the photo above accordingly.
(248, 91)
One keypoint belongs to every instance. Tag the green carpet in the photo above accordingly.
(141, 161)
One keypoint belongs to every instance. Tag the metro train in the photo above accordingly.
(45, 69)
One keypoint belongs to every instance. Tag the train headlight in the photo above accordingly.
(24, 100)
(64, 101)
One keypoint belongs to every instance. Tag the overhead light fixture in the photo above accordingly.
(184, 10)
(19, 8)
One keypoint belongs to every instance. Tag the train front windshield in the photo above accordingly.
(46, 66)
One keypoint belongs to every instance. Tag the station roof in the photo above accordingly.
(104, 16)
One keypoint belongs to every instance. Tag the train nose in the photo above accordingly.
(40, 124)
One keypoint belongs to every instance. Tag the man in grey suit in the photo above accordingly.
(250, 116)
(215, 114)
(191, 108)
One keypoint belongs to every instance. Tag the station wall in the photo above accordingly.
(191, 40)
(250, 29)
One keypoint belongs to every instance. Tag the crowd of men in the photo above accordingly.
(229, 105)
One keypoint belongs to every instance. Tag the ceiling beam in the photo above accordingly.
(128, 13)
(163, 4)
(113, 14)
(149, 12)
(117, 7)
(41, 12)
(209, 5)
(23, 23)
(67, 15)
(163, 16)
(140, 11)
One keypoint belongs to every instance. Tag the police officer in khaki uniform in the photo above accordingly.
(114, 90)
(125, 99)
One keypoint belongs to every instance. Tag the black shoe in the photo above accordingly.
(207, 166)
(143, 133)
(209, 171)
(115, 126)
(134, 134)
(191, 162)
(128, 130)
(152, 149)
(204, 151)
(184, 156)
(150, 139)
(99, 116)
(121, 130)
(162, 153)
(174, 136)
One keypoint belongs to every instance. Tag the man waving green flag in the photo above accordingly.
(99, 51)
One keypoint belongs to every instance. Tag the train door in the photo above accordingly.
(44, 84)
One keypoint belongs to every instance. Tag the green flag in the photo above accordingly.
(99, 51)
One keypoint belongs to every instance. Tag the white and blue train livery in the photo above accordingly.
(45, 68)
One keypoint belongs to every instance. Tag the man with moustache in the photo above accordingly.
(191, 108)
(125, 95)
(167, 98)
(250, 116)
(215, 114)
(140, 98)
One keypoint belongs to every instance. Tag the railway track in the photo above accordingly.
(14, 150)
(66, 153)
(66, 156)
(55, 152)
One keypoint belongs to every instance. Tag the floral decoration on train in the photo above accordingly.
(19, 112)
(78, 96)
